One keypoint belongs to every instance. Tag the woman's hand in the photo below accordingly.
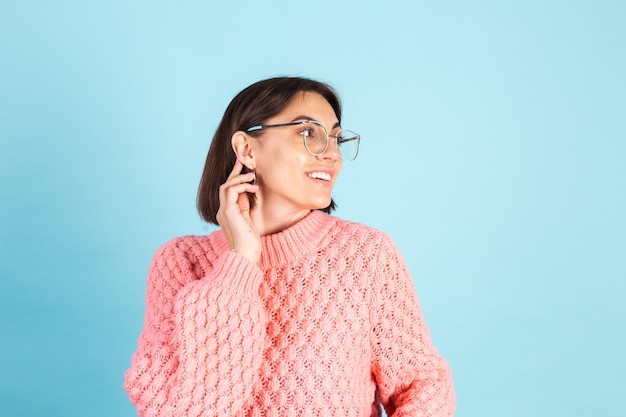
(234, 214)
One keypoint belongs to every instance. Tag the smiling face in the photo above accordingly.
(290, 179)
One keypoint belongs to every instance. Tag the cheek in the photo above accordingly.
(279, 162)
(278, 167)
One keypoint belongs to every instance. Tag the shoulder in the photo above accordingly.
(189, 243)
(191, 251)
(359, 229)
(365, 236)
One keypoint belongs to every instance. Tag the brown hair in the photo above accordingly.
(252, 106)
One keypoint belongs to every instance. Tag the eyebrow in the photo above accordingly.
(304, 117)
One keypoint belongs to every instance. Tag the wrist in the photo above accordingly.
(251, 255)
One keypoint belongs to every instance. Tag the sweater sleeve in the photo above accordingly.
(413, 379)
(202, 343)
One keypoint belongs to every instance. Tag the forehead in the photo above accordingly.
(311, 105)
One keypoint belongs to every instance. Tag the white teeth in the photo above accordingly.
(320, 175)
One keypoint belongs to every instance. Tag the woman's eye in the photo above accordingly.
(307, 133)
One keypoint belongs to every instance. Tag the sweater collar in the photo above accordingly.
(294, 242)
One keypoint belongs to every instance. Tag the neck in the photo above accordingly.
(269, 221)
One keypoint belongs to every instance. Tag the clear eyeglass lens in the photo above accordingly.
(315, 137)
(316, 140)
(348, 143)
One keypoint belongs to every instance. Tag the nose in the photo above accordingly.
(332, 152)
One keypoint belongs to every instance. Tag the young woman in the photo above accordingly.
(286, 310)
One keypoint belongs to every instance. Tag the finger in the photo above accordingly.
(243, 203)
(236, 169)
(229, 195)
(233, 199)
(236, 180)
(247, 177)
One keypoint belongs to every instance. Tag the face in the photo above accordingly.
(289, 177)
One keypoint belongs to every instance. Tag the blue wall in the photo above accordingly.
(493, 153)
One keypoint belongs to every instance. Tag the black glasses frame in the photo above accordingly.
(338, 140)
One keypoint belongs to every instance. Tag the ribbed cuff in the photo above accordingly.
(238, 273)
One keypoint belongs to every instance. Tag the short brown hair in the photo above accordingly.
(252, 106)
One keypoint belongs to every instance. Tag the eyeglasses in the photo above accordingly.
(315, 137)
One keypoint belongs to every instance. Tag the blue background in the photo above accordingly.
(493, 153)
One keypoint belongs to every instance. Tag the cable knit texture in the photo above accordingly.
(327, 324)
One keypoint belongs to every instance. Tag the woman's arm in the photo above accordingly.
(202, 341)
(413, 379)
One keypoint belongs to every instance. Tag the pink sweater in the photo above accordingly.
(327, 324)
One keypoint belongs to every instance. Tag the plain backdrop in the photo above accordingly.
(493, 153)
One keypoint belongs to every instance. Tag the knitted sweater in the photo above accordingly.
(326, 324)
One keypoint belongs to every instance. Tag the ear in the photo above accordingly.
(243, 147)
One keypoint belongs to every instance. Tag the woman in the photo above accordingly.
(285, 311)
